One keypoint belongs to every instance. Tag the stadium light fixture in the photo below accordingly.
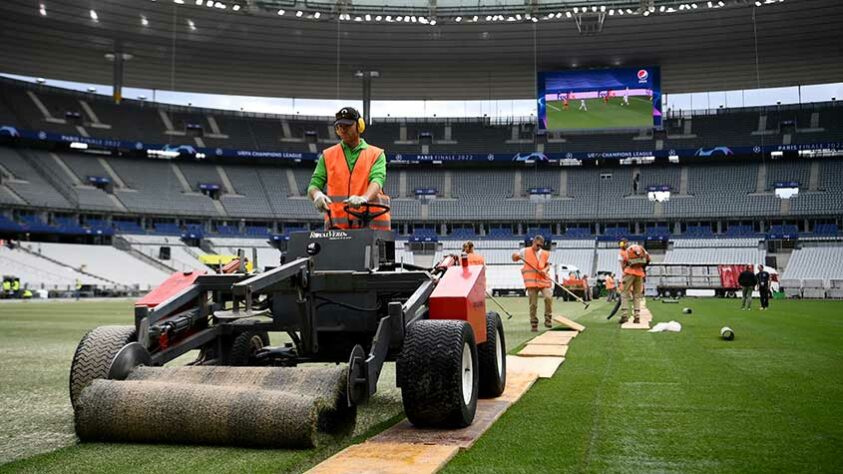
(42, 10)
(144, 21)
(94, 16)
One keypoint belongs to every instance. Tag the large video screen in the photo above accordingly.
(599, 99)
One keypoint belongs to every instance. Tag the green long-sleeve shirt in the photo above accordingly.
(377, 174)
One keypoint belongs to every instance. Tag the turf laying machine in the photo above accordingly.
(345, 306)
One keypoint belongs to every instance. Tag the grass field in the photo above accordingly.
(623, 401)
(600, 115)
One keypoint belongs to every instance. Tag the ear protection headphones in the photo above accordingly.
(348, 113)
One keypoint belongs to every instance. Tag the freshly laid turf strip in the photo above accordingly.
(632, 401)
(245, 406)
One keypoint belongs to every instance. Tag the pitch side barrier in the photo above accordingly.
(11, 133)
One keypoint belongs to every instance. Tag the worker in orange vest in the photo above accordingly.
(352, 173)
(473, 258)
(609, 282)
(634, 260)
(536, 279)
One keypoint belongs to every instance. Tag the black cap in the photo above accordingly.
(347, 116)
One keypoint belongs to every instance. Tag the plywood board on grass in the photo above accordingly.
(569, 323)
(387, 458)
(544, 367)
(543, 350)
(554, 337)
(488, 411)
(517, 384)
(644, 324)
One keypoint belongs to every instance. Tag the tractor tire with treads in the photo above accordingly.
(492, 358)
(94, 354)
(438, 374)
(244, 347)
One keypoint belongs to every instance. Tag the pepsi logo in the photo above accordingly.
(643, 74)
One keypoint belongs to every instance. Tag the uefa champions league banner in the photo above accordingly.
(410, 158)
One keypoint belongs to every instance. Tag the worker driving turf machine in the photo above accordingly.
(340, 298)
(353, 174)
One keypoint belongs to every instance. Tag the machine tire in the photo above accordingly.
(245, 345)
(431, 375)
(94, 355)
(492, 358)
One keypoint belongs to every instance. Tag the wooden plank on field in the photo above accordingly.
(554, 337)
(545, 367)
(488, 411)
(569, 323)
(387, 458)
(543, 350)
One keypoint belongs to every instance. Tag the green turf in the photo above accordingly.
(37, 341)
(623, 401)
(630, 401)
(639, 113)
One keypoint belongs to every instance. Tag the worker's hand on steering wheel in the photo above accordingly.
(355, 201)
(321, 202)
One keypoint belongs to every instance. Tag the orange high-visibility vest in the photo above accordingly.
(610, 283)
(635, 258)
(534, 278)
(476, 259)
(344, 182)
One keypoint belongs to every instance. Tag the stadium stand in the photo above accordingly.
(106, 262)
(716, 251)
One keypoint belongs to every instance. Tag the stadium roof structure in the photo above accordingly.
(432, 50)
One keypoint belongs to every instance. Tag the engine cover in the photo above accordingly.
(461, 294)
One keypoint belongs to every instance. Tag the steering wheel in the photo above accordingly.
(366, 216)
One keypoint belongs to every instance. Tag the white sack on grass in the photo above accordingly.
(672, 326)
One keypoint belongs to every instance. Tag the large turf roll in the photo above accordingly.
(246, 406)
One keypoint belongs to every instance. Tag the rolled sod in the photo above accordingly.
(245, 406)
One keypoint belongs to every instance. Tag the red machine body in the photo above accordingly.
(461, 294)
(171, 286)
